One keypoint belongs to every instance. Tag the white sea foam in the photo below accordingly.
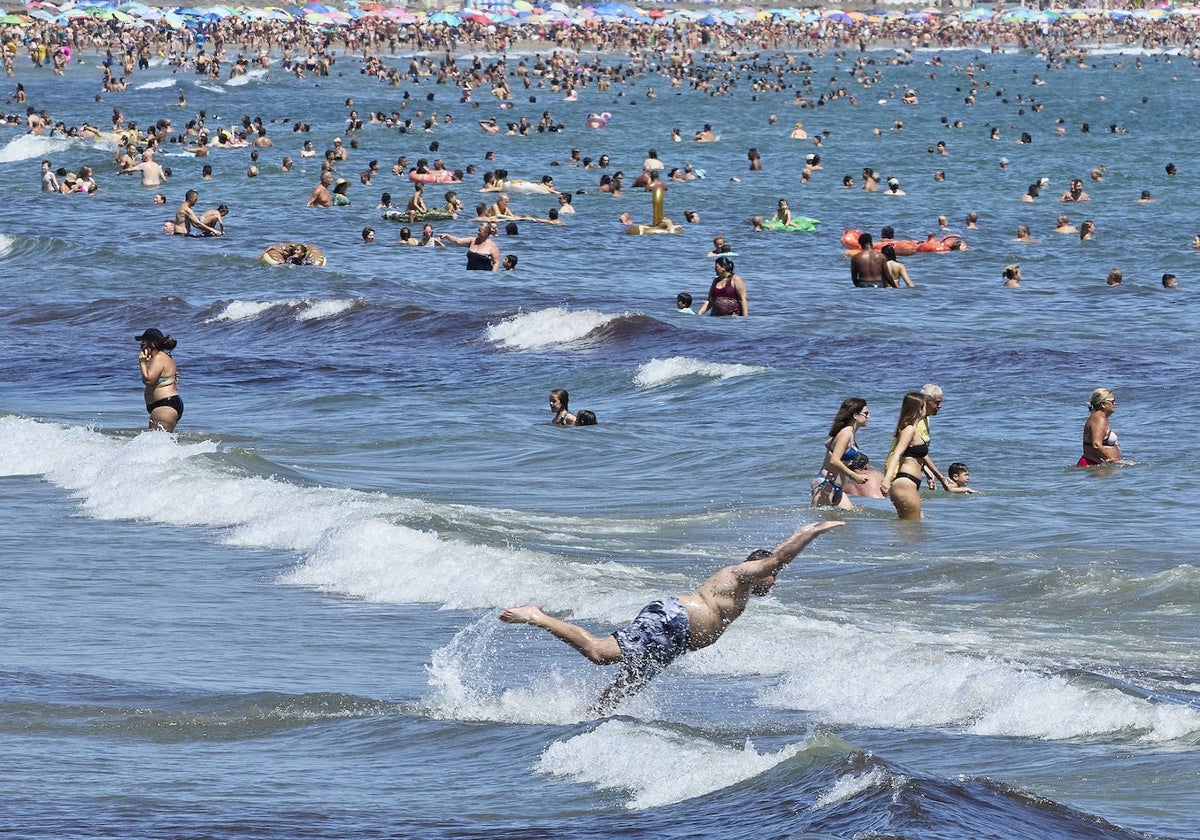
(245, 310)
(157, 84)
(546, 327)
(356, 544)
(317, 310)
(302, 309)
(6, 244)
(30, 146)
(613, 756)
(850, 676)
(257, 75)
(469, 680)
(661, 371)
(850, 786)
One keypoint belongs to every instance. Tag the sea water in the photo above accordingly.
(281, 621)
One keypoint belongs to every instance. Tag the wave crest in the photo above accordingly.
(661, 371)
(547, 327)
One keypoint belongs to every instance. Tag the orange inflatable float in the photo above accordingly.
(907, 247)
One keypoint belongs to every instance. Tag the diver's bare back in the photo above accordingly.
(714, 606)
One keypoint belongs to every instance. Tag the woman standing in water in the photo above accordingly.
(896, 272)
(727, 295)
(483, 254)
(844, 463)
(1099, 440)
(902, 475)
(160, 375)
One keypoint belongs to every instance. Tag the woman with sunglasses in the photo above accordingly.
(845, 464)
(1099, 440)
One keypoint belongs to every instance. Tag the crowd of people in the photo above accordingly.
(846, 471)
(692, 55)
(308, 44)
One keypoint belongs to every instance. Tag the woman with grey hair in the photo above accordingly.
(1099, 440)
(933, 396)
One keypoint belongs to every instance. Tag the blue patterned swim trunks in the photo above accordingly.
(656, 638)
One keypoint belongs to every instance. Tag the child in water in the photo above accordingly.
(683, 304)
(959, 475)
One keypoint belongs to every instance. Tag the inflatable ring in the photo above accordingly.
(516, 185)
(797, 223)
(427, 216)
(436, 176)
(274, 254)
(906, 247)
(598, 120)
(645, 230)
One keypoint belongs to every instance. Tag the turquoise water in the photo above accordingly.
(281, 621)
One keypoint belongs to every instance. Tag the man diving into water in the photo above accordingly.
(666, 629)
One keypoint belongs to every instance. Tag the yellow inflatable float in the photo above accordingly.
(295, 253)
(661, 223)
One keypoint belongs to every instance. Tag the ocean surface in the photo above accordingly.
(281, 622)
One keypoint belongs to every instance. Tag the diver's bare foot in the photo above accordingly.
(528, 614)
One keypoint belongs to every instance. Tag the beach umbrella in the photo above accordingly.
(140, 10)
(522, 5)
(11, 19)
(444, 17)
